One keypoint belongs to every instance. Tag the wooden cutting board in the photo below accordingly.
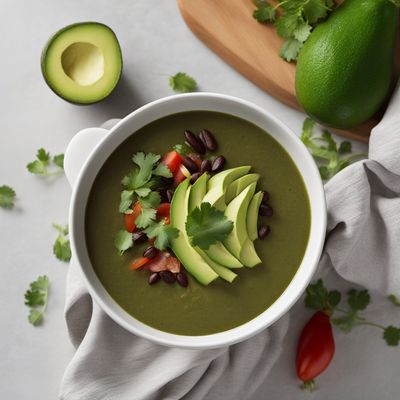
(228, 28)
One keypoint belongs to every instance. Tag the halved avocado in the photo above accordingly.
(82, 63)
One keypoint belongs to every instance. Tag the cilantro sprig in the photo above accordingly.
(394, 300)
(45, 165)
(36, 298)
(61, 246)
(318, 297)
(182, 83)
(324, 149)
(7, 196)
(294, 22)
(123, 241)
(164, 234)
(207, 225)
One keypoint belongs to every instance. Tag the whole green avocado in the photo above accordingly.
(345, 69)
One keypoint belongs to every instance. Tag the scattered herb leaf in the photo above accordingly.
(319, 298)
(145, 218)
(7, 196)
(163, 233)
(123, 241)
(394, 299)
(265, 12)
(126, 201)
(391, 334)
(207, 225)
(61, 247)
(36, 298)
(182, 149)
(43, 161)
(325, 151)
(182, 83)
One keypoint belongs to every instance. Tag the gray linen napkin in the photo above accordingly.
(362, 246)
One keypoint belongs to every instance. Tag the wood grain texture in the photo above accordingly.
(228, 28)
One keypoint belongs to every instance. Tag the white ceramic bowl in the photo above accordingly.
(110, 140)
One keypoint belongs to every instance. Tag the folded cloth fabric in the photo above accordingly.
(362, 246)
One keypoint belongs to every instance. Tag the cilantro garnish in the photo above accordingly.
(36, 298)
(324, 149)
(123, 241)
(182, 149)
(164, 234)
(7, 196)
(207, 225)
(61, 247)
(394, 299)
(318, 297)
(295, 21)
(43, 161)
(182, 83)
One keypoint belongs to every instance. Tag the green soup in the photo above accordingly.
(198, 309)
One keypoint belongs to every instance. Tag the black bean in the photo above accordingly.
(182, 279)
(139, 237)
(263, 231)
(154, 278)
(209, 140)
(205, 166)
(167, 276)
(194, 177)
(194, 142)
(150, 252)
(265, 210)
(218, 164)
(190, 164)
(170, 194)
(265, 198)
(163, 194)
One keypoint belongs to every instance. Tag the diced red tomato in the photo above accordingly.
(172, 160)
(164, 261)
(131, 218)
(196, 158)
(181, 175)
(140, 262)
(163, 211)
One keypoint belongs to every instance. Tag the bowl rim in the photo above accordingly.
(115, 137)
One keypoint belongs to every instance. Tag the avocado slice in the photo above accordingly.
(219, 183)
(252, 215)
(216, 252)
(82, 63)
(181, 246)
(238, 185)
(223, 272)
(248, 254)
(236, 211)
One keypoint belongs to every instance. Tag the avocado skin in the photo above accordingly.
(345, 69)
(43, 59)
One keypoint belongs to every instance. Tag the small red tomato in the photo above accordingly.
(315, 349)
(163, 211)
(172, 160)
(131, 218)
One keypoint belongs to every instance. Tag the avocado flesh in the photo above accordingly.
(216, 252)
(252, 216)
(223, 272)
(187, 255)
(345, 68)
(236, 211)
(82, 63)
(248, 254)
(218, 184)
(238, 185)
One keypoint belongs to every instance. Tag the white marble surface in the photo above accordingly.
(155, 42)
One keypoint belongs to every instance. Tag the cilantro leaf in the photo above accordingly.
(36, 298)
(346, 322)
(126, 200)
(391, 335)
(318, 297)
(152, 200)
(123, 241)
(265, 12)
(7, 196)
(182, 83)
(164, 234)
(162, 170)
(394, 299)
(182, 149)
(327, 154)
(287, 24)
(290, 49)
(315, 10)
(145, 218)
(146, 163)
(142, 191)
(358, 299)
(61, 247)
(42, 162)
(207, 225)
(302, 32)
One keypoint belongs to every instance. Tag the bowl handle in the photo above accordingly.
(79, 149)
